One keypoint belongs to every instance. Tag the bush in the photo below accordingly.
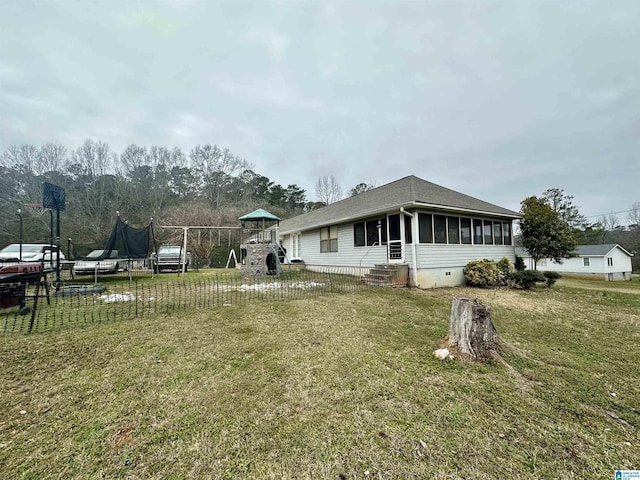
(505, 266)
(526, 279)
(520, 266)
(482, 273)
(551, 278)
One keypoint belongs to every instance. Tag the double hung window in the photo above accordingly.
(329, 239)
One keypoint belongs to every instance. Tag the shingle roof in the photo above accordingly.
(405, 192)
(596, 250)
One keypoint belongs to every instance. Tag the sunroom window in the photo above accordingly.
(453, 224)
(425, 228)
(465, 231)
(440, 228)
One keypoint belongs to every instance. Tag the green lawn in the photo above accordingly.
(336, 386)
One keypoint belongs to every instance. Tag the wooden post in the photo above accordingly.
(472, 335)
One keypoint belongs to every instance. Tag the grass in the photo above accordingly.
(119, 298)
(592, 284)
(340, 386)
(146, 276)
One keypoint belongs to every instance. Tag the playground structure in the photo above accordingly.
(260, 253)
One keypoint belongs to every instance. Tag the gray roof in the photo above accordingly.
(597, 250)
(407, 192)
(584, 250)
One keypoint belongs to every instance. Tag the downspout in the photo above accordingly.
(414, 252)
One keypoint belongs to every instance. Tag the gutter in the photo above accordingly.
(414, 252)
(414, 203)
(467, 210)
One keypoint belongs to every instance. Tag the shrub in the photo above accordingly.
(520, 266)
(551, 278)
(526, 279)
(505, 266)
(482, 273)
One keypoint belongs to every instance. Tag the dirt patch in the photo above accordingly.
(122, 438)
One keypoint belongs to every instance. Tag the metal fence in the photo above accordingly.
(81, 304)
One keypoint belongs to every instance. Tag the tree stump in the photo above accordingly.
(472, 335)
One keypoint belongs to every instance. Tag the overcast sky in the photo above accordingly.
(499, 100)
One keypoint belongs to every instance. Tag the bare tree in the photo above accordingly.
(92, 159)
(634, 216)
(214, 168)
(328, 190)
(23, 157)
(609, 223)
(133, 158)
(51, 158)
(160, 157)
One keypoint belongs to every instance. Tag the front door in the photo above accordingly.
(395, 241)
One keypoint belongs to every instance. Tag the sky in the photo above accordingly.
(496, 99)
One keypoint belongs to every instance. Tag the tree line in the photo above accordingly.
(208, 185)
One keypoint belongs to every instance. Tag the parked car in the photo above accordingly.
(31, 252)
(169, 257)
(92, 262)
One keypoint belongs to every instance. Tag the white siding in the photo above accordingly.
(573, 265)
(437, 265)
(347, 255)
(443, 265)
(442, 256)
(621, 269)
(621, 262)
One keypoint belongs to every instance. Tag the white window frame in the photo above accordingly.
(329, 240)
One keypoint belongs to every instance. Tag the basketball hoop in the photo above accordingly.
(35, 208)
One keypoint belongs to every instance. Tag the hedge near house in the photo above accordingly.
(487, 273)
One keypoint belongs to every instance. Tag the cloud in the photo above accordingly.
(160, 24)
(182, 4)
(190, 129)
(273, 89)
(497, 99)
(275, 43)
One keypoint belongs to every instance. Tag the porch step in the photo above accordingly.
(388, 275)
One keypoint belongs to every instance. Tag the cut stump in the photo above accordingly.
(472, 335)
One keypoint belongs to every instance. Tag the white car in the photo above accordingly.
(31, 252)
(92, 262)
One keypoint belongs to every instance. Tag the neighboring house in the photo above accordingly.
(610, 261)
(432, 230)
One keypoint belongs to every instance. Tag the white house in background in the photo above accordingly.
(429, 230)
(610, 261)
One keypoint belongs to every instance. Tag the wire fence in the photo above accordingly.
(81, 304)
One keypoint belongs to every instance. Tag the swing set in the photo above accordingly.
(199, 228)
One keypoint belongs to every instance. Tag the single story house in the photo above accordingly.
(430, 230)
(609, 261)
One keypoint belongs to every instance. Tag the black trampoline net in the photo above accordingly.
(128, 241)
